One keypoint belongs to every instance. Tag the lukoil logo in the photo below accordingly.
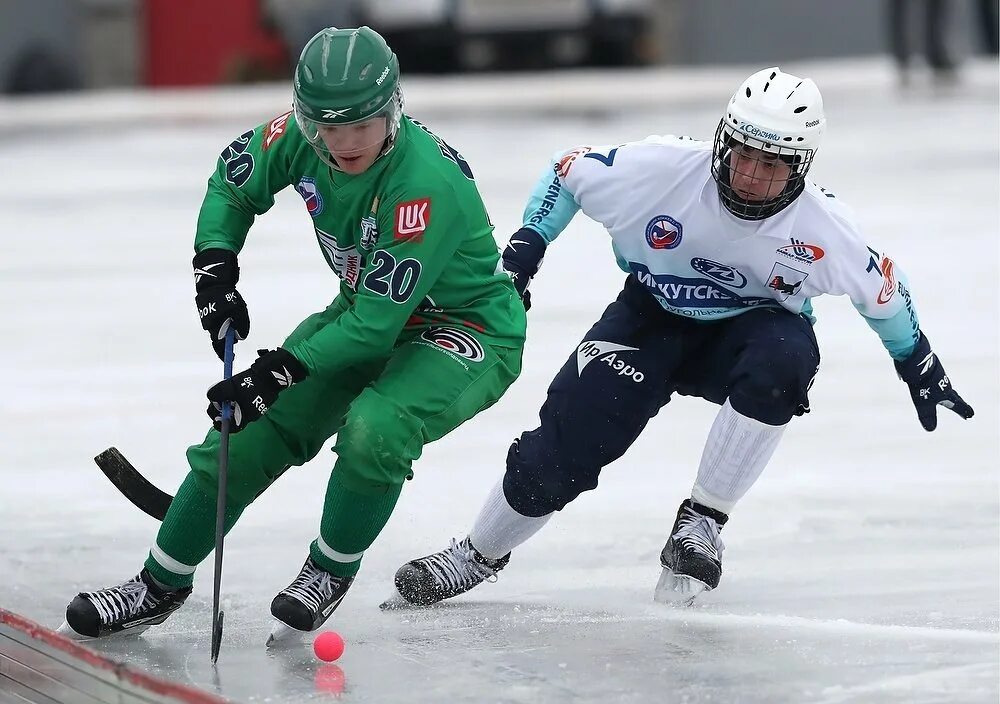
(607, 353)
(275, 128)
(412, 218)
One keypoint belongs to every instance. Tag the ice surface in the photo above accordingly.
(863, 567)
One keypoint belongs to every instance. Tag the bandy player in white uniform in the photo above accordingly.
(725, 243)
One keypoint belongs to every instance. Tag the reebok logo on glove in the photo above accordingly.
(929, 385)
(284, 377)
(254, 391)
(206, 271)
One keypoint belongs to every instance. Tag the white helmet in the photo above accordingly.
(773, 112)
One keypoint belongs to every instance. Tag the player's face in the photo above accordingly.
(756, 175)
(355, 147)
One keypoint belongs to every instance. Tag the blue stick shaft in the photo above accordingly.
(220, 507)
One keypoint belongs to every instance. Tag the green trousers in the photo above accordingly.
(382, 412)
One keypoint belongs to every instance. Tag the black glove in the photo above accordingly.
(521, 259)
(219, 303)
(929, 385)
(254, 391)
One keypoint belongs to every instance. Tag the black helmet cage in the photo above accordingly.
(726, 139)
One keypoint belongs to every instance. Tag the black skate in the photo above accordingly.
(453, 571)
(692, 557)
(306, 603)
(127, 609)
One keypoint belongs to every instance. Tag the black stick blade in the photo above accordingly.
(136, 488)
(217, 636)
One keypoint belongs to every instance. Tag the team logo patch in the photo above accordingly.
(456, 341)
(566, 163)
(608, 353)
(723, 273)
(275, 128)
(311, 195)
(369, 233)
(345, 261)
(663, 232)
(412, 218)
(785, 281)
(888, 281)
(801, 252)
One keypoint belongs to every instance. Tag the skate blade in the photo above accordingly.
(282, 636)
(678, 590)
(397, 603)
(66, 630)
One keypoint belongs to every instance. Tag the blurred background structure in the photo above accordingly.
(55, 45)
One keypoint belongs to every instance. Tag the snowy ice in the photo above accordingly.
(863, 567)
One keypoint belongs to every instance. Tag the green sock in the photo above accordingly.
(187, 534)
(350, 524)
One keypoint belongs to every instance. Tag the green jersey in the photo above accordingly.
(409, 238)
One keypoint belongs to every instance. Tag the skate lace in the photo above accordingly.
(312, 587)
(699, 533)
(457, 568)
(124, 601)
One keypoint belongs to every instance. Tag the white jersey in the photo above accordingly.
(660, 204)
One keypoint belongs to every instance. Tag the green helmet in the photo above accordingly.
(345, 76)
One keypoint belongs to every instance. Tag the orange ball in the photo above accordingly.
(328, 646)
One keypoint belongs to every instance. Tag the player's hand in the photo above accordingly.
(929, 385)
(220, 305)
(254, 391)
(522, 258)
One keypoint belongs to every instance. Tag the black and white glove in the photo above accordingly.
(220, 305)
(254, 391)
(929, 385)
(522, 258)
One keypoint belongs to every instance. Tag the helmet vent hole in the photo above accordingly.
(766, 85)
(364, 72)
(773, 74)
(799, 139)
(799, 109)
(748, 91)
(309, 74)
(788, 139)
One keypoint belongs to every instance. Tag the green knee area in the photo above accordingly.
(377, 445)
(257, 456)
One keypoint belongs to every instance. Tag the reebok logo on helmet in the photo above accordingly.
(382, 77)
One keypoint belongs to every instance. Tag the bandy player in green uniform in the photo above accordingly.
(426, 332)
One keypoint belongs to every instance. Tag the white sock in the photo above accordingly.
(736, 452)
(499, 528)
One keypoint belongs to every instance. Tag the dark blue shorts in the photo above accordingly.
(627, 367)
